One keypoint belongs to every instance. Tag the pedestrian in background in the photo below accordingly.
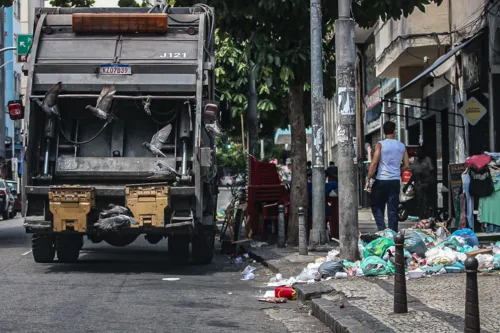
(389, 161)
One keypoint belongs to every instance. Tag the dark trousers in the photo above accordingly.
(385, 192)
(426, 200)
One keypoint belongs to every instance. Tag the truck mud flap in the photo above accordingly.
(70, 206)
(148, 202)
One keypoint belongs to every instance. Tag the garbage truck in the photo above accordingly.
(121, 119)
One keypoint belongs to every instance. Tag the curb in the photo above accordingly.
(336, 319)
(271, 264)
(307, 292)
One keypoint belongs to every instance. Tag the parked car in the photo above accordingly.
(6, 201)
(17, 196)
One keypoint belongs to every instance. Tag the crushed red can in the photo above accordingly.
(286, 292)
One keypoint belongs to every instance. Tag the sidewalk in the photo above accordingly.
(364, 305)
(435, 304)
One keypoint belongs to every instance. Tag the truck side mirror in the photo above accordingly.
(226, 114)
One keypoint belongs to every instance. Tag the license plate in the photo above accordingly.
(115, 69)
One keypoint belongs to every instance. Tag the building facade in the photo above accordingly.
(435, 74)
(12, 85)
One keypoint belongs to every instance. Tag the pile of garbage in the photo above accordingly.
(427, 250)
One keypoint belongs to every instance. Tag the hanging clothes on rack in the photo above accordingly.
(489, 206)
(469, 203)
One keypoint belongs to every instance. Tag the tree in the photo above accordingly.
(72, 3)
(132, 3)
(276, 34)
(6, 3)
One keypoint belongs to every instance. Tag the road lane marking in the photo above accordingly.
(25, 253)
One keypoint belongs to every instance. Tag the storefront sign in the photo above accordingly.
(373, 104)
(473, 111)
(456, 171)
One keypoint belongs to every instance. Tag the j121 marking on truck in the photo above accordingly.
(174, 55)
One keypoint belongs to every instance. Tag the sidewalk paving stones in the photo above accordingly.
(361, 304)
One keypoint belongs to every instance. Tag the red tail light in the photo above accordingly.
(211, 111)
(16, 110)
(2, 192)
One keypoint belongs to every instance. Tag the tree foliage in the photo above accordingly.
(132, 3)
(6, 3)
(72, 3)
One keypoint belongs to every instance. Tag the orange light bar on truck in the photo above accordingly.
(120, 23)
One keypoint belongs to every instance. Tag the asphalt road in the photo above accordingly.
(122, 290)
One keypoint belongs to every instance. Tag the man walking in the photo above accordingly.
(386, 164)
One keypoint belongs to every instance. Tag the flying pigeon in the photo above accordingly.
(115, 222)
(49, 104)
(101, 110)
(158, 141)
(115, 210)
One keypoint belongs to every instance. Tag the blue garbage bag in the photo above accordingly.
(467, 234)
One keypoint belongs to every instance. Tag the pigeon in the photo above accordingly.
(49, 104)
(158, 141)
(214, 129)
(101, 110)
(162, 170)
(115, 222)
(116, 210)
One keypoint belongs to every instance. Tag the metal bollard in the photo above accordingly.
(400, 300)
(281, 226)
(471, 297)
(302, 233)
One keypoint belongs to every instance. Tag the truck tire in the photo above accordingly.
(203, 246)
(178, 249)
(68, 247)
(43, 249)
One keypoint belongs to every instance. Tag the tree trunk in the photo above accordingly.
(298, 196)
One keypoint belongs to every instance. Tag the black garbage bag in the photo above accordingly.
(330, 268)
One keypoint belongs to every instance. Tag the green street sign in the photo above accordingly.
(24, 44)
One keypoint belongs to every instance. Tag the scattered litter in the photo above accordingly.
(230, 293)
(273, 300)
(269, 293)
(286, 292)
(249, 276)
(249, 269)
(258, 245)
(429, 249)
(238, 261)
(245, 255)
(416, 274)
(171, 279)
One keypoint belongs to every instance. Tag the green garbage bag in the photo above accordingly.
(373, 265)
(496, 261)
(377, 247)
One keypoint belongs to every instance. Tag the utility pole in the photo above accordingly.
(253, 129)
(345, 57)
(318, 232)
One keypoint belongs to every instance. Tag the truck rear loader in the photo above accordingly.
(121, 121)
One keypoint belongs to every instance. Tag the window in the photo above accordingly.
(17, 83)
(17, 8)
(15, 44)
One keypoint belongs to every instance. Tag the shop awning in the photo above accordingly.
(440, 61)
